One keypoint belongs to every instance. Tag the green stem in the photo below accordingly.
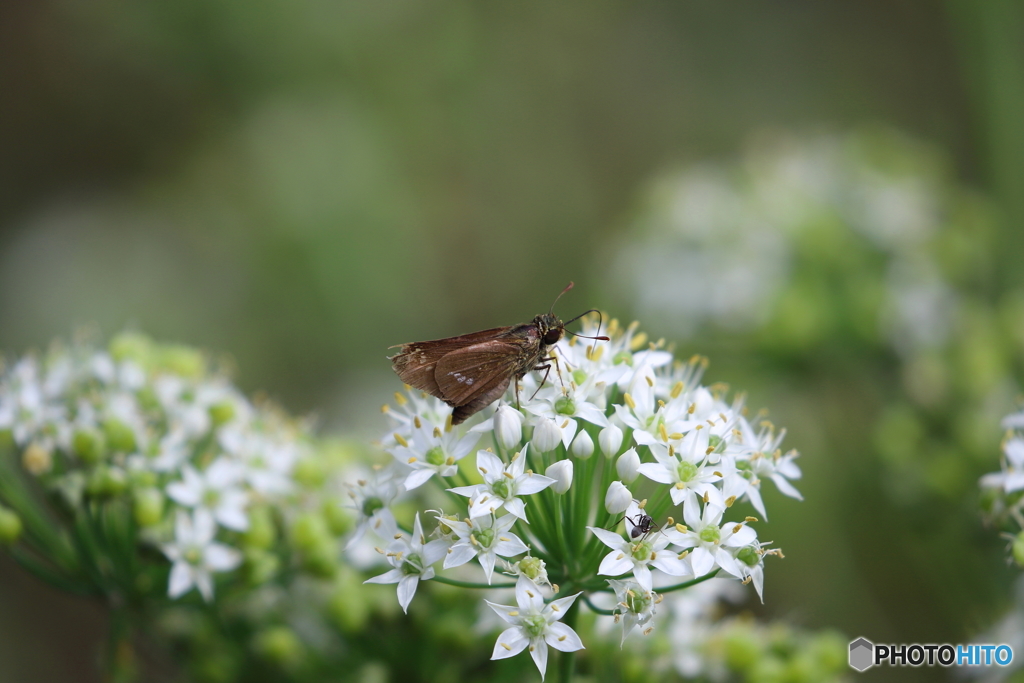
(597, 610)
(687, 584)
(469, 584)
(567, 661)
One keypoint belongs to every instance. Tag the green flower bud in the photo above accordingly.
(90, 445)
(260, 566)
(337, 516)
(310, 473)
(1018, 549)
(106, 482)
(182, 360)
(149, 507)
(280, 645)
(120, 436)
(347, 606)
(322, 559)
(142, 479)
(148, 400)
(131, 346)
(261, 532)
(532, 567)
(222, 413)
(10, 526)
(579, 376)
(308, 531)
(710, 534)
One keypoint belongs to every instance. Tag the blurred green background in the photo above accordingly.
(303, 183)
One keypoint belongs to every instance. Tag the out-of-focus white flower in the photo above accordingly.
(214, 491)
(195, 555)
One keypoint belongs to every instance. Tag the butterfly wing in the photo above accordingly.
(468, 374)
(415, 363)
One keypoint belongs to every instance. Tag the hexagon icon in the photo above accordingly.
(862, 654)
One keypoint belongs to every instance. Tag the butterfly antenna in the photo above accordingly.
(552, 309)
(600, 321)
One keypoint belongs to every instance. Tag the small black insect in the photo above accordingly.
(471, 371)
(642, 524)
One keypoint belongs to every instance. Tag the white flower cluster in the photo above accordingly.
(1003, 491)
(147, 423)
(536, 493)
(730, 236)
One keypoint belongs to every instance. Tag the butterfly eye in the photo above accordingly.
(552, 336)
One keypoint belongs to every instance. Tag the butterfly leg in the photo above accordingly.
(547, 371)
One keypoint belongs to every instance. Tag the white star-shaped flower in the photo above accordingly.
(195, 555)
(709, 541)
(484, 538)
(638, 555)
(534, 625)
(431, 451)
(215, 491)
(411, 559)
(634, 605)
(686, 470)
(502, 485)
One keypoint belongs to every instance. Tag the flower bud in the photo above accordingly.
(262, 531)
(10, 526)
(337, 516)
(106, 481)
(628, 465)
(546, 435)
(1018, 549)
(90, 445)
(533, 567)
(309, 531)
(610, 439)
(280, 645)
(182, 360)
(617, 499)
(260, 566)
(561, 472)
(508, 427)
(37, 460)
(222, 413)
(148, 507)
(310, 472)
(583, 445)
(120, 436)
